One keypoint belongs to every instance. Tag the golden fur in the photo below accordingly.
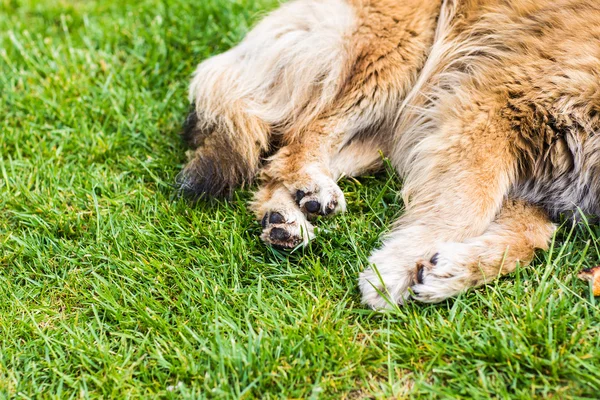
(489, 109)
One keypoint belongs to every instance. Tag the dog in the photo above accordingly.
(488, 109)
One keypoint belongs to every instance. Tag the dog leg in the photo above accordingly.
(455, 187)
(287, 70)
(347, 137)
(303, 168)
(307, 189)
(518, 230)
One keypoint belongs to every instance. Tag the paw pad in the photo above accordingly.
(312, 206)
(299, 195)
(320, 202)
(420, 269)
(276, 218)
(279, 234)
(285, 233)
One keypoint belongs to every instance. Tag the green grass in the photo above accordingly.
(111, 288)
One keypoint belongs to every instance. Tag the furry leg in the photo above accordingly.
(518, 230)
(286, 71)
(307, 188)
(348, 136)
(454, 190)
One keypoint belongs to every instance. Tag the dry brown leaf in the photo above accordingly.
(592, 275)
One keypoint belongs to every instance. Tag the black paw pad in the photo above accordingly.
(276, 218)
(263, 222)
(420, 270)
(299, 195)
(312, 206)
(279, 235)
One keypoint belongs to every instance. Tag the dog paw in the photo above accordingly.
(384, 288)
(322, 197)
(445, 275)
(286, 230)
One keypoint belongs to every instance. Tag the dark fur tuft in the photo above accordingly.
(227, 150)
(214, 171)
(194, 133)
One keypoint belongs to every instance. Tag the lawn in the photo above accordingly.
(112, 287)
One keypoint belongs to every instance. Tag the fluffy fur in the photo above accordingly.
(489, 109)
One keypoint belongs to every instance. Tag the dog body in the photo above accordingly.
(489, 109)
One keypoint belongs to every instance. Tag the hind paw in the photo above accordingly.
(321, 197)
(286, 230)
(449, 272)
(284, 224)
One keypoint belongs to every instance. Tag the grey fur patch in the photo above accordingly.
(214, 171)
(565, 178)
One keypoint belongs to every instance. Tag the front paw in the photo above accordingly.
(445, 275)
(321, 197)
(286, 230)
(385, 286)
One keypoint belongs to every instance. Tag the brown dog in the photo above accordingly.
(489, 109)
